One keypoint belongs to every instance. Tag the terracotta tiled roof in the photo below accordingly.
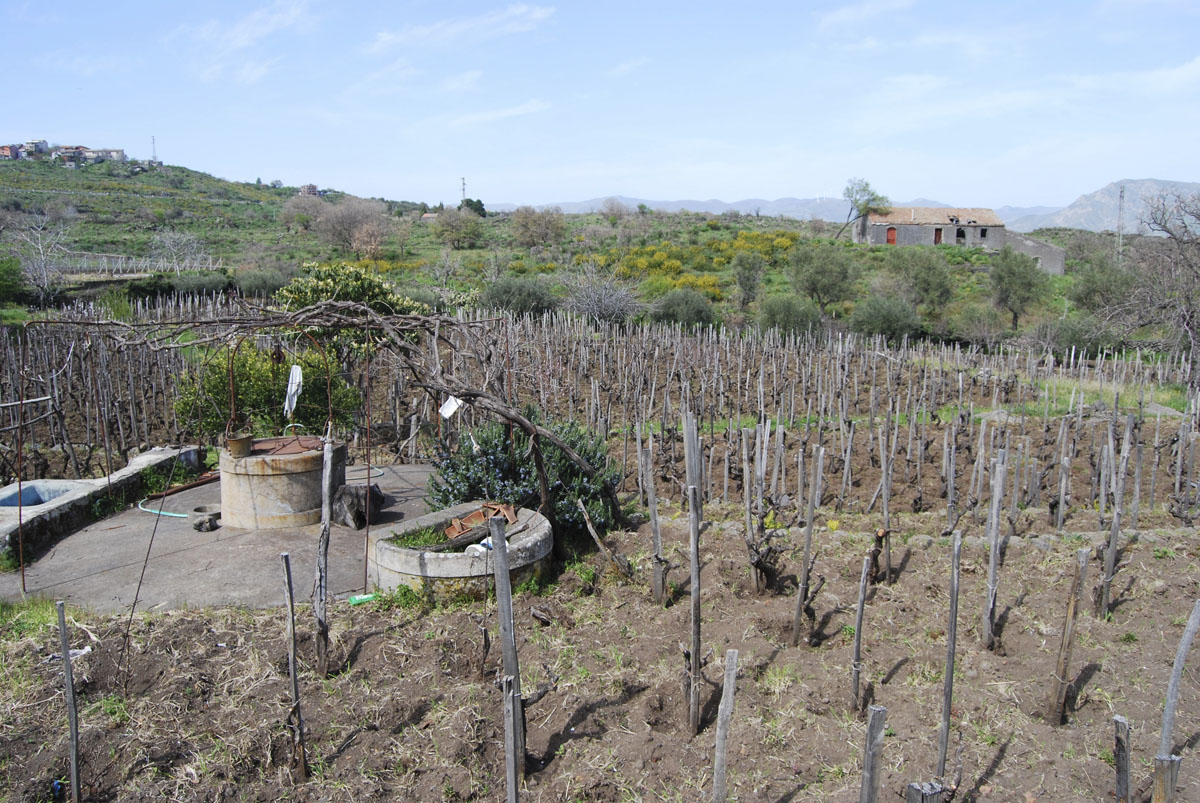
(935, 215)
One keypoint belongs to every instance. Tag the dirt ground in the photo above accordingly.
(413, 711)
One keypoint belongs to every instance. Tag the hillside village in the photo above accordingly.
(70, 156)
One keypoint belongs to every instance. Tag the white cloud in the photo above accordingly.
(81, 64)
(221, 44)
(517, 18)
(1179, 79)
(860, 12)
(628, 66)
(462, 82)
(492, 115)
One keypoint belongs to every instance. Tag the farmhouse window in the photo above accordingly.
(960, 235)
(983, 234)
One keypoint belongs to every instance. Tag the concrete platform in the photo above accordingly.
(99, 566)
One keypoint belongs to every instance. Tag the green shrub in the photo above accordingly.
(519, 295)
(209, 281)
(258, 283)
(12, 280)
(493, 463)
(889, 316)
(158, 284)
(789, 314)
(260, 385)
(686, 306)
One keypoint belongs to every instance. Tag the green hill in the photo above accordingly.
(117, 208)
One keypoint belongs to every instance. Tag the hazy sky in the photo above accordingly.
(969, 103)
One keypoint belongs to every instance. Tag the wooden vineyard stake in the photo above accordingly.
(1058, 694)
(923, 793)
(856, 662)
(803, 597)
(1166, 765)
(1114, 534)
(696, 680)
(321, 589)
(1121, 757)
(659, 581)
(724, 714)
(872, 773)
(987, 632)
(508, 636)
(295, 721)
(512, 730)
(69, 693)
(951, 646)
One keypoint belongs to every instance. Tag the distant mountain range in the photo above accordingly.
(1099, 210)
(1096, 211)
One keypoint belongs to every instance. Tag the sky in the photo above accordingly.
(972, 103)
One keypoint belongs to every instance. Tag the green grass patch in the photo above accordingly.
(25, 617)
(418, 538)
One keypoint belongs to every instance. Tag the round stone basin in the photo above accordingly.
(278, 484)
(451, 575)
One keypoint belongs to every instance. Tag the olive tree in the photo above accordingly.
(824, 273)
(531, 227)
(864, 201)
(1017, 282)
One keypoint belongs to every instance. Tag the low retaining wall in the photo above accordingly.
(44, 525)
(449, 575)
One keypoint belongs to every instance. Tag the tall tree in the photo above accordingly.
(824, 273)
(1017, 282)
(748, 269)
(864, 201)
(40, 242)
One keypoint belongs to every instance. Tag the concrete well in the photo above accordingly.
(278, 484)
(450, 575)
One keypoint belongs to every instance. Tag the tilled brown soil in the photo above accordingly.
(414, 713)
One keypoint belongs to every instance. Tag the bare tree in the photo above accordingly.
(614, 210)
(40, 242)
(339, 222)
(445, 268)
(303, 211)
(1167, 290)
(531, 227)
(601, 295)
(367, 238)
(179, 249)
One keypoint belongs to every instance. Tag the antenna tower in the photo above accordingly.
(1120, 223)
(464, 188)
(153, 150)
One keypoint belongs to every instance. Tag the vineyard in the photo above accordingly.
(805, 511)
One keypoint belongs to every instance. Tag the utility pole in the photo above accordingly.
(1120, 223)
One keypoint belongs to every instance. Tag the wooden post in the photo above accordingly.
(1114, 534)
(512, 729)
(989, 609)
(856, 663)
(295, 721)
(951, 646)
(923, 793)
(659, 582)
(872, 774)
(69, 693)
(321, 589)
(814, 497)
(724, 713)
(1121, 757)
(1166, 765)
(696, 681)
(508, 633)
(1058, 693)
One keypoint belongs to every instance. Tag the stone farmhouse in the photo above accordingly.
(982, 228)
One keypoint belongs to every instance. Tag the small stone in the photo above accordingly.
(921, 541)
